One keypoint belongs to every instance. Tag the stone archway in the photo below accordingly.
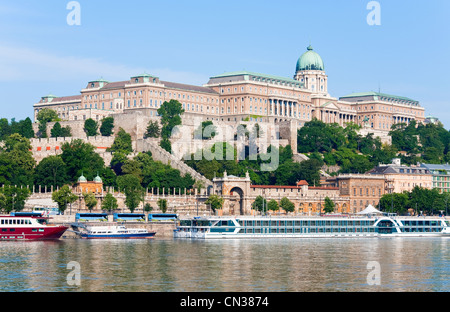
(235, 191)
(236, 201)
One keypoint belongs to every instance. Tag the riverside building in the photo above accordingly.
(242, 95)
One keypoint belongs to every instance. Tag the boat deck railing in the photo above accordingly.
(300, 216)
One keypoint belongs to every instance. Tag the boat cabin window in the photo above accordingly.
(42, 221)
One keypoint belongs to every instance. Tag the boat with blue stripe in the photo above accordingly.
(113, 232)
(310, 227)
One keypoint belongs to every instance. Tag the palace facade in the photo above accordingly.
(243, 95)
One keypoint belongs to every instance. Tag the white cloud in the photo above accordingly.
(33, 65)
(25, 64)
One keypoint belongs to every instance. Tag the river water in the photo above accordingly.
(273, 265)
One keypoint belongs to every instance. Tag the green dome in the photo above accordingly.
(310, 60)
(98, 179)
(82, 179)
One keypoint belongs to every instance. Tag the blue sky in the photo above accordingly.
(190, 41)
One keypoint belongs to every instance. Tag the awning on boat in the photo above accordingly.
(369, 210)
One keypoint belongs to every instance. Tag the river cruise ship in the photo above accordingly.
(28, 228)
(304, 227)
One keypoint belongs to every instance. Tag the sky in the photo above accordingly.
(190, 41)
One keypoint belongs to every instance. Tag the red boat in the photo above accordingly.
(28, 228)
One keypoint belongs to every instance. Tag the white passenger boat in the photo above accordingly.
(111, 232)
(299, 227)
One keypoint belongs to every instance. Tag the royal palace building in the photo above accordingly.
(243, 95)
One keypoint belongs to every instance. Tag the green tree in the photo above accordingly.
(16, 161)
(260, 204)
(5, 128)
(12, 198)
(205, 131)
(317, 136)
(109, 203)
(26, 128)
(404, 137)
(153, 130)
(329, 205)
(107, 127)
(81, 158)
(287, 205)
(215, 201)
(148, 207)
(90, 200)
(64, 197)
(131, 187)
(58, 131)
(170, 113)
(45, 116)
(272, 205)
(122, 143)
(117, 161)
(394, 203)
(162, 204)
(90, 127)
(165, 144)
(51, 171)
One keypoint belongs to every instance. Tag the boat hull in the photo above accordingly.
(149, 235)
(32, 234)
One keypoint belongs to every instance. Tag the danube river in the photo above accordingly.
(274, 265)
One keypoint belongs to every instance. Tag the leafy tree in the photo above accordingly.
(162, 204)
(122, 143)
(134, 167)
(45, 116)
(205, 131)
(81, 158)
(287, 205)
(51, 171)
(90, 200)
(404, 137)
(425, 200)
(309, 170)
(148, 207)
(5, 129)
(165, 144)
(25, 128)
(90, 127)
(260, 204)
(63, 197)
(170, 113)
(215, 201)
(272, 205)
(58, 131)
(394, 202)
(131, 187)
(109, 203)
(16, 161)
(317, 136)
(12, 198)
(107, 127)
(153, 130)
(117, 161)
(329, 205)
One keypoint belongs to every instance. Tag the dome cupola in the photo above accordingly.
(97, 179)
(310, 60)
(82, 179)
